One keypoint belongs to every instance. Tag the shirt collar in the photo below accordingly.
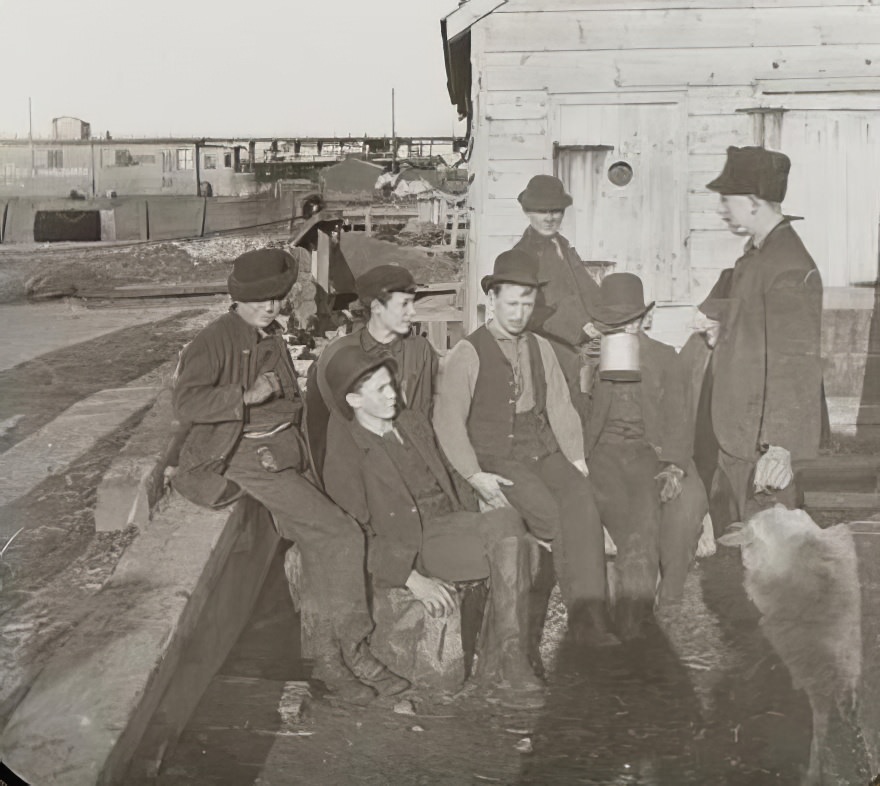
(370, 344)
(492, 327)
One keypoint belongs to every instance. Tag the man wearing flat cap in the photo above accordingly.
(236, 390)
(762, 396)
(426, 531)
(388, 292)
(564, 307)
(637, 444)
(504, 418)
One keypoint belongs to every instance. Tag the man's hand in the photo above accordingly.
(488, 486)
(773, 470)
(436, 595)
(591, 331)
(710, 328)
(265, 386)
(670, 477)
(581, 466)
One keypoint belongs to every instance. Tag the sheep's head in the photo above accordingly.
(770, 538)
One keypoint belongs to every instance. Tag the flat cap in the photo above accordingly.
(383, 280)
(753, 170)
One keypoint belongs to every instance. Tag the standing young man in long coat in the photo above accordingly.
(762, 398)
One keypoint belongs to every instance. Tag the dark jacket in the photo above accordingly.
(417, 368)
(366, 484)
(663, 404)
(767, 364)
(570, 292)
(215, 369)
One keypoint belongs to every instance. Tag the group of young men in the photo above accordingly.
(509, 461)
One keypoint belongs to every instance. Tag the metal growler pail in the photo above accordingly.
(619, 358)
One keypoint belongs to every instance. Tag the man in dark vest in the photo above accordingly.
(388, 292)
(236, 388)
(564, 306)
(762, 400)
(504, 418)
(426, 529)
(638, 448)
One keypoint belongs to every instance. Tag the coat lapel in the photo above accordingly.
(378, 463)
(429, 453)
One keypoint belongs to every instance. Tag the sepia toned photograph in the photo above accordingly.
(440, 392)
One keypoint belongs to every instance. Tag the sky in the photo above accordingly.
(216, 68)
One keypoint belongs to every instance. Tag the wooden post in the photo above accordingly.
(368, 220)
(321, 269)
(453, 235)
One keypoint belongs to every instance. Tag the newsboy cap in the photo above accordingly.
(263, 274)
(513, 267)
(544, 192)
(753, 170)
(383, 280)
(349, 365)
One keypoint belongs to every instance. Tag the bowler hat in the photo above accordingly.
(381, 281)
(621, 300)
(544, 192)
(263, 274)
(346, 367)
(513, 267)
(753, 170)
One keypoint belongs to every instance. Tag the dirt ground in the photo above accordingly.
(60, 270)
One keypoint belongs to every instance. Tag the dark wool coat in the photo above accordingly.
(767, 364)
(570, 292)
(214, 370)
(663, 404)
(417, 364)
(366, 484)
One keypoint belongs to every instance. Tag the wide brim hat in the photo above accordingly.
(753, 171)
(513, 267)
(346, 367)
(621, 300)
(263, 274)
(544, 192)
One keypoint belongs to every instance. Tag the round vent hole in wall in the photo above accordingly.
(620, 173)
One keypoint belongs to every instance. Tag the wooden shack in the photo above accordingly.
(632, 103)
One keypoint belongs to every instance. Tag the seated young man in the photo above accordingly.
(237, 389)
(426, 530)
(504, 418)
(636, 440)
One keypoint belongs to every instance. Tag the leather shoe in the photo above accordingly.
(371, 671)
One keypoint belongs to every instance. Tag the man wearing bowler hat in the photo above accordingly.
(763, 398)
(504, 418)
(564, 307)
(237, 392)
(426, 531)
(388, 292)
(638, 450)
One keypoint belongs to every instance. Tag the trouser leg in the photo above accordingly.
(681, 523)
(629, 503)
(331, 543)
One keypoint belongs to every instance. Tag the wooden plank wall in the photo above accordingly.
(530, 57)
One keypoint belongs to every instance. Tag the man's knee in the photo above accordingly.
(503, 523)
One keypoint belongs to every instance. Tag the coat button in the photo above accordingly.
(510, 436)
(413, 510)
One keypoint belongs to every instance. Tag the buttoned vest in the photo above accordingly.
(490, 422)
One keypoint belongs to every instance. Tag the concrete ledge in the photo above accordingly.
(135, 481)
(194, 574)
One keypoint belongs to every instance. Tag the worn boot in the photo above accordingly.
(330, 670)
(503, 666)
(589, 625)
(371, 671)
(634, 617)
(542, 581)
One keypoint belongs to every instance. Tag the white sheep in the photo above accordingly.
(804, 581)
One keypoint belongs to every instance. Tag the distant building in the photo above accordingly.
(129, 167)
